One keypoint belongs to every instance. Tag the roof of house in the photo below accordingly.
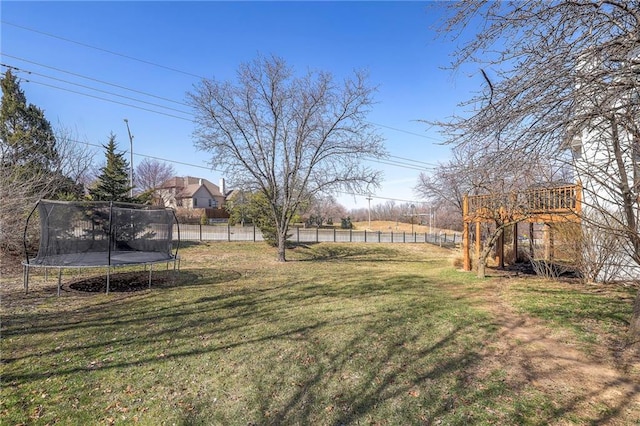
(187, 186)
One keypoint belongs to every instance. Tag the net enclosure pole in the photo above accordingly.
(109, 242)
(25, 276)
(59, 279)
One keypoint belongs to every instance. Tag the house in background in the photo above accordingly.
(192, 193)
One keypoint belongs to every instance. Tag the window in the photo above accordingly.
(195, 202)
(209, 202)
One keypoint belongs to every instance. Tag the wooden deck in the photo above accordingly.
(541, 205)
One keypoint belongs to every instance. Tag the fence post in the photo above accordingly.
(350, 235)
(298, 234)
(254, 233)
(228, 232)
(334, 235)
(365, 235)
(200, 232)
(379, 233)
(317, 231)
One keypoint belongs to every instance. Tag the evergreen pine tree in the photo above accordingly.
(27, 142)
(113, 181)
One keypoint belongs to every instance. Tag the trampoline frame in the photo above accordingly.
(120, 261)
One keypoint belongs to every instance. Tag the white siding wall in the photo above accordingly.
(597, 170)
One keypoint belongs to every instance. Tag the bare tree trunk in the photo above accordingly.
(487, 249)
(282, 245)
(634, 325)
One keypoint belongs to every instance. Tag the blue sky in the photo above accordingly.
(163, 48)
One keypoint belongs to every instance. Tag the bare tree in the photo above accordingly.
(76, 157)
(289, 138)
(151, 174)
(63, 179)
(324, 209)
(388, 210)
(560, 75)
(449, 182)
(359, 214)
(35, 162)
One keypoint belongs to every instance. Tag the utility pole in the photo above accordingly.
(131, 161)
(369, 200)
(413, 207)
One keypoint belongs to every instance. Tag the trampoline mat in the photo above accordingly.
(94, 259)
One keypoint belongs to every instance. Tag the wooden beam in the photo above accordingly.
(466, 260)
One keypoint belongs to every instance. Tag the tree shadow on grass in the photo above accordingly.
(360, 357)
(341, 252)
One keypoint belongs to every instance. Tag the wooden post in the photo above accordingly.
(466, 259)
(515, 243)
(478, 241)
(500, 250)
(547, 241)
(531, 250)
(465, 247)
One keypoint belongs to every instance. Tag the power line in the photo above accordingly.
(404, 131)
(92, 88)
(377, 160)
(414, 161)
(102, 50)
(156, 96)
(398, 164)
(93, 79)
(166, 160)
(106, 99)
(137, 154)
(152, 95)
(372, 159)
(179, 71)
(379, 197)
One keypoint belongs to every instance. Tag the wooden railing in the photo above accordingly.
(556, 199)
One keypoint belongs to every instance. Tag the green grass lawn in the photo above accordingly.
(340, 334)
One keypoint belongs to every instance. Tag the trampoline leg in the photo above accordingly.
(59, 279)
(25, 279)
(108, 277)
(150, 269)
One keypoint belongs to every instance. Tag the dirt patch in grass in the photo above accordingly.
(120, 282)
(598, 381)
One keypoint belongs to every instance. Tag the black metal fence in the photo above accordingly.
(315, 235)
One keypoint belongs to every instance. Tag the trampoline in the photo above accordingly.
(96, 234)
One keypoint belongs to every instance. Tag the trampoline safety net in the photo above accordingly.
(91, 234)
